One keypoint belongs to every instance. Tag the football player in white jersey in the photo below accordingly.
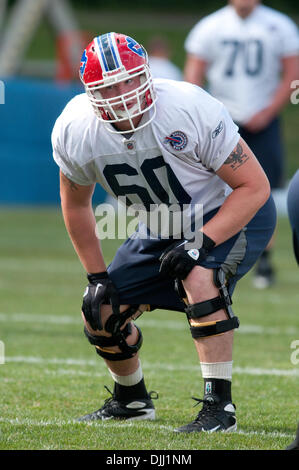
(159, 59)
(160, 142)
(248, 53)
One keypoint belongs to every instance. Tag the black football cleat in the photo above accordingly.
(295, 444)
(214, 416)
(264, 275)
(129, 410)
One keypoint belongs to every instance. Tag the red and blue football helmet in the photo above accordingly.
(112, 58)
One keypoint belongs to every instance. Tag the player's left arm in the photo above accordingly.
(290, 72)
(251, 189)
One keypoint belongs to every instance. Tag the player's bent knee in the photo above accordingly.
(195, 312)
(105, 345)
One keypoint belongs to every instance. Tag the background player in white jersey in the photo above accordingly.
(249, 55)
(159, 57)
(159, 142)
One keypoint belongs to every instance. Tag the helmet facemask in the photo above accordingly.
(126, 106)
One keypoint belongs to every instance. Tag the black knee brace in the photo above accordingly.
(118, 338)
(195, 311)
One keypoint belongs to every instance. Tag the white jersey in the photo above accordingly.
(243, 56)
(170, 161)
(163, 68)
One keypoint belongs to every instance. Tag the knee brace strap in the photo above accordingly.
(201, 309)
(214, 328)
(102, 344)
(116, 321)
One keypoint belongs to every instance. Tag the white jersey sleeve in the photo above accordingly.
(70, 141)
(223, 139)
(217, 139)
(198, 41)
(289, 37)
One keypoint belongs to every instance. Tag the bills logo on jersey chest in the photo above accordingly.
(178, 140)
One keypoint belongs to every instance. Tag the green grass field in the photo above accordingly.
(52, 375)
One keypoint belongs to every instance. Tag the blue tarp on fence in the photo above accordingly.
(28, 173)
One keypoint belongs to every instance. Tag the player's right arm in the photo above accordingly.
(198, 51)
(76, 204)
(195, 70)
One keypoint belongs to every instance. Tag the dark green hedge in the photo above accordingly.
(287, 6)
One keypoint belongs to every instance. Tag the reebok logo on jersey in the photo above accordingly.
(178, 140)
(218, 129)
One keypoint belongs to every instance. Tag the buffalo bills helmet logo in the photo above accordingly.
(178, 140)
(135, 47)
(83, 63)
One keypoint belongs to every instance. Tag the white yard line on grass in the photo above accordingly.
(46, 319)
(73, 373)
(147, 365)
(44, 265)
(140, 424)
(54, 360)
(143, 322)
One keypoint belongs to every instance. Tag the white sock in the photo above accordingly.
(128, 380)
(217, 370)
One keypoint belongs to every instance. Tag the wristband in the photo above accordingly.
(94, 277)
(207, 242)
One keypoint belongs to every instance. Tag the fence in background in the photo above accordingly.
(28, 173)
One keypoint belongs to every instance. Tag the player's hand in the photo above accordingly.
(100, 290)
(259, 121)
(177, 261)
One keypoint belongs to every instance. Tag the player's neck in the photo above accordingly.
(244, 12)
(244, 9)
(125, 126)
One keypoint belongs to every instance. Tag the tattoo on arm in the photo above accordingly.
(237, 158)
